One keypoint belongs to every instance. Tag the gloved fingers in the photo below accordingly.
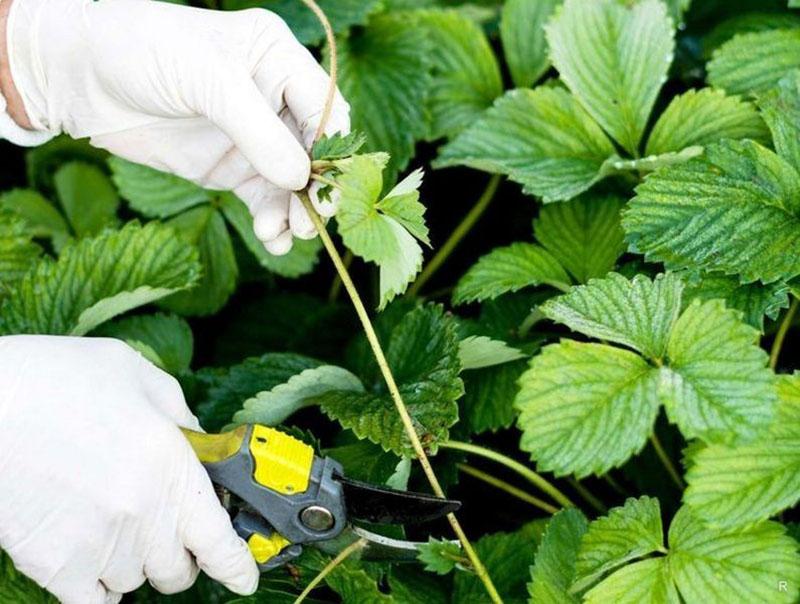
(271, 218)
(207, 533)
(122, 579)
(327, 206)
(299, 221)
(68, 590)
(281, 245)
(236, 105)
(303, 84)
(164, 392)
(170, 567)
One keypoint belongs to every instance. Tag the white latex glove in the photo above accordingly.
(99, 490)
(229, 100)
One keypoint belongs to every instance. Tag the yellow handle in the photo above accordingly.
(211, 448)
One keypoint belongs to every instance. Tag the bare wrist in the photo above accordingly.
(16, 108)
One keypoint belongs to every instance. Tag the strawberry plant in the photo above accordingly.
(598, 357)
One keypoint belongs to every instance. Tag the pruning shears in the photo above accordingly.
(282, 496)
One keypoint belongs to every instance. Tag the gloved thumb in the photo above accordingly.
(207, 533)
(238, 108)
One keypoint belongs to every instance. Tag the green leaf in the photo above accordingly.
(476, 352)
(152, 193)
(272, 407)
(738, 485)
(382, 230)
(702, 117)
(755, 62)
(489, 398)
(219, 393)
(746, 22)
(18, 253)
(169, 337)
(384, 72)
(466, 76)
(542, 139)
(365, 461)
(89, 199)
(509, 269)
(16, 587)
(355, 585)
(754, 300)
(507, 557)
(780, 107)
(584, 235)
(204, 227)
(638, 313)
(627, 533)
(574, 396)
(302, 258)
(524, 43)
(40, 216)
(643, 581)
(614, 58)
(616, 165)
(422, 352)
(440, 556)
(99, 278)
(717, 384)
(734, 210)
(343, 14)
(709, 565)
(337, 146)
(43, 161)
(554, 568)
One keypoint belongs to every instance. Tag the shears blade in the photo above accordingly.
(382, 505)
(377, 548)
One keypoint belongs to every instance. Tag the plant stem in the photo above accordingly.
(336, 286)
(334, 71)
(511, 464)
(508, 488)
(325, 181)
(670, 467)
(786, 324)
(457, 235)
(587, 495)
(394, 391)
(614, 484)
(343, 555)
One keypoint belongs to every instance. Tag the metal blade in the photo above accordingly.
(377, 547)
(382, 505)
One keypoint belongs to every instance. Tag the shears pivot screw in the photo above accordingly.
(317, 518)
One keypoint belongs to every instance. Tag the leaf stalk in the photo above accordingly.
(667, 462)
(785, 325)
(508, 488)
(513, 465)
(329, 567)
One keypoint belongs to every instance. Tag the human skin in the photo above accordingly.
(16, 109)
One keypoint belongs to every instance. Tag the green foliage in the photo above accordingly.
(614, 59)
(754, 62)
(15, 587)
(702, 365)
(18, 252)
(384, 72)
(88, 197)
(441, 557)
(96, 279)
(522, 32)
(41, 218)
(554, 568)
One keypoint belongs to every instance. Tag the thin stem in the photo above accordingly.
(670, 467)
(614, 484)
(457, 235)
(786, 324)
(511, 464)
(343, 555)
(325, 181)
(394, 391)
(587, 495)
(336, 286)
(334, 70)
(508, 488)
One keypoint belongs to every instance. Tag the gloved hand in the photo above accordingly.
(99, 489)
(229, 100)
